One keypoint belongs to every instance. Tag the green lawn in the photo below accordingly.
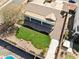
(38, 39)
(69, 57)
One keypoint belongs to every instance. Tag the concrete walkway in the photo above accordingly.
(52, 49)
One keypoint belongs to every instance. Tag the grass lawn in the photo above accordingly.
(38, 39)
(70, 57)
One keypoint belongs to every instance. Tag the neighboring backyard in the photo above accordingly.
(39, 40)
(70, 57)
(76, 47)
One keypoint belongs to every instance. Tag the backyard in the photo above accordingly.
(39, 40)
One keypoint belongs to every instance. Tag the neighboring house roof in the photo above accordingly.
(51, 16)
(72, 6)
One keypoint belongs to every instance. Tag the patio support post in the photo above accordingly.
(30, 18)
(41, 22)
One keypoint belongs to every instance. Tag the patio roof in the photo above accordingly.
(31, 14)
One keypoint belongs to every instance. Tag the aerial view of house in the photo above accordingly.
(39, 29)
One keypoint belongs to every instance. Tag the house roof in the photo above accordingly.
(38, 9)
(39, 12)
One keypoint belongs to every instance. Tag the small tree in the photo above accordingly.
(11, 14)
(66, 35)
